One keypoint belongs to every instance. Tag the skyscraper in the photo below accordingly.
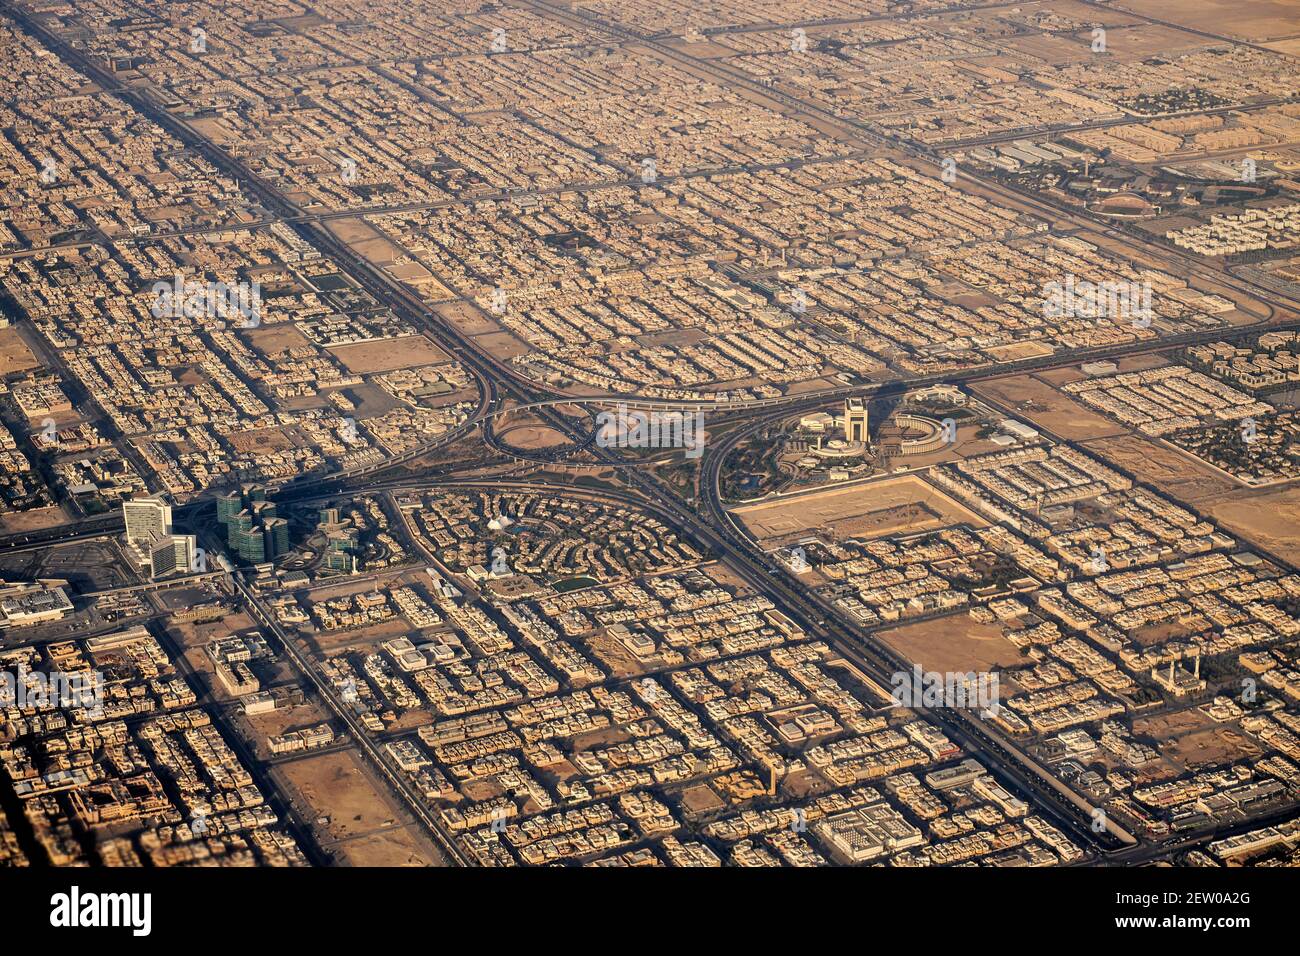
(146, 519)
(254, 529)
(173, 554)
(245, 538)
(150, 541)
(277, 537)
(229, 505)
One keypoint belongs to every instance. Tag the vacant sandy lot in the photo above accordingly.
(394, 847)
(1045, 407)
(1165, 468)
(335, 786)
(1019, 350)
(1213, 747)
(365, 240)
(1147, 39)
(274, 340)
(528, 436)
(262, 439)
(1191, 739)
(502, 344)
(725, 575)
(1291, 47)
(1272, 520)
(1060, 50)
(1255, 20)
(867, 509)
(469, 319)
(15, 356)
(407, 351)
(701, 799)
(954, 643)
(19, 521)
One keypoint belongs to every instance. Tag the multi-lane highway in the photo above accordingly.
(504, 389)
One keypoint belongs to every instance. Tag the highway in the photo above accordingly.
(880, 663)
(345, 714)
(504, 390)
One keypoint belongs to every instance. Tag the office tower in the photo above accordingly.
(340, 551)
(277, 537)
(150, 542)
(254, 529)
(186, 549)
(173, 554)
(855, 420)
(246, 539)
(329, 516)
(146, 519)
(229, 505)
(162, 558)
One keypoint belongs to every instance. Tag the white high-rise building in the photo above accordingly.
(146, 519)
(173, 554)
(151, 543)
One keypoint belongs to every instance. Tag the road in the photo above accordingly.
(342, 712)
(503, 388)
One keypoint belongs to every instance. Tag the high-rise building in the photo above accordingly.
(151, 543)
(229, 505)
(277, 537)
(146, 519)
(855, 420)
(162, 558)
(174, 554)
(254, 529)
(245, 538)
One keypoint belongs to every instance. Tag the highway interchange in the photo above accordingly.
(505, 391)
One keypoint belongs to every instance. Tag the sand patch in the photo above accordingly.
(953, 644)
(866, 509)
(384, 355)
(1272, 520)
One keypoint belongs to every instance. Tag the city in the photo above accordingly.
(638, 433)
